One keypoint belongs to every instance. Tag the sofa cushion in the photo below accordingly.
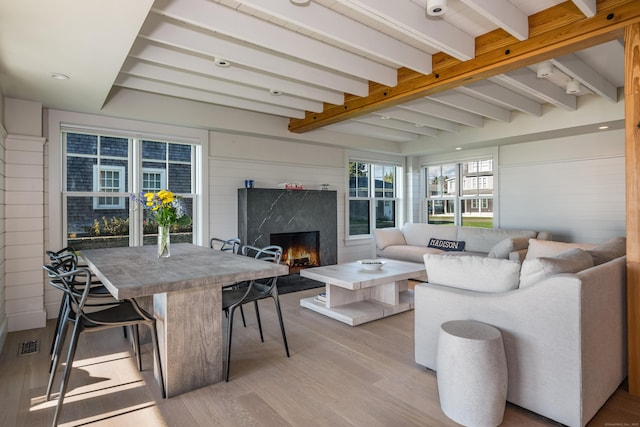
(503, 248)
(484, 239)
(446, 245)
(549, 248)
(609, 250)
(418, 234)
(407, 253)
(475, 273)
(388, 236)
(571, 261)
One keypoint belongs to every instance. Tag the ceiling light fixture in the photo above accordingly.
(60, 76)
(458, 148)
(436, 7)
(603, 127)
(275, 92)
(573, 87)
(545, 69)
(222, 62)
(384, 117)
(300, 2)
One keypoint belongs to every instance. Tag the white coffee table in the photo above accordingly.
(355, 295)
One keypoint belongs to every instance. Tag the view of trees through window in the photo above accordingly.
(96, 165)
(372, 194)
(460, 193)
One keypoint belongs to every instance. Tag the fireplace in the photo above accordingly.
(299, 250)
(266, 212)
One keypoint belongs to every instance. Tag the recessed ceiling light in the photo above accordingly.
(60, 76)
(384, 117)
(458, 148)
(300, 2)
(275, 92)
(603, 127)
(419, 125)
(222, 62)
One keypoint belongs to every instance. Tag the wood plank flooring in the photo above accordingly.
(337, 375)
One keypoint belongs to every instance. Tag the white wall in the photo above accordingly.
(573, 187)
(4, 328)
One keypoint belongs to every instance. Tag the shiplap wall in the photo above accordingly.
(4, 327)
(573, 187)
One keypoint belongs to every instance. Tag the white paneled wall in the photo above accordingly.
(4, 327)
(24, 236)
(573, 187)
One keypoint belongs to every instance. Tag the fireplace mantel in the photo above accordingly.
(265, 211)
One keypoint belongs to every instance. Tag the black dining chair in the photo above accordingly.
(76, 285)
(253, 291)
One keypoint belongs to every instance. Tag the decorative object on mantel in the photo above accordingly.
(167, 210)
(290, 186)
(324, 187)
(248, 183)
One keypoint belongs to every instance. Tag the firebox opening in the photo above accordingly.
(299, 250)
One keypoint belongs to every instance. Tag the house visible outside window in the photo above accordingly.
(460, 193)
(101, 172)
(373, 193)
(108, 179)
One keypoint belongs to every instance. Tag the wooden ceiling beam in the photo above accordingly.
(556, 31)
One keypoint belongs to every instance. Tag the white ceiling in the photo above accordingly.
(309, 55)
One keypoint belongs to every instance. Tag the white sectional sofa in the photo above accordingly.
(562, 314)
(412, 241)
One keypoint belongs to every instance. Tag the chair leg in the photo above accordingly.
(136, 345)
(255, 304)
(284, 335)
(229, 330)
(55, 359)
(73, 344)
(244, 322)
(156, 352)
(63, 305)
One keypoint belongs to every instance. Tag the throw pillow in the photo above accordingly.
(609, 250)
(503, 248)
(548, 248)
(537, 269)
(445, 245)
(475, 273)
(388, 237)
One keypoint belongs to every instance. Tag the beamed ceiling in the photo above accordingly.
(373, 68)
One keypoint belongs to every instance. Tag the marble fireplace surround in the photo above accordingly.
(266, 211)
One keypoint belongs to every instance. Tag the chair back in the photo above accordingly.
(271, 253)
(76, 283)
(229, 245)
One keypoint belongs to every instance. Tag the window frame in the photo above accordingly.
(97, 186)
(371, 197)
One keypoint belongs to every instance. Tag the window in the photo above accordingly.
(100, 173)
(373, 192)
(460, 193)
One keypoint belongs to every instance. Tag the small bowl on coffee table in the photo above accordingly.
(371, 264)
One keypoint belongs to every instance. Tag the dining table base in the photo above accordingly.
(190, 338)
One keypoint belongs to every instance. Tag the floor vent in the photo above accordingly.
(29, 347)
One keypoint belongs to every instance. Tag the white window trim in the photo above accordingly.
(163, 177)
(58, 120)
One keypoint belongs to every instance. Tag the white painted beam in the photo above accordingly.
(173, 34)
(223, 87)
(436, 109)
(473, 105)
(223, 20)
(501, 96)
(396, 124)
(504, 14)
(174, 57)
(138, 83)
(573, 66)
(588, 7)
(418, 118)
(527, 81)
(335, 26)
(410, 19)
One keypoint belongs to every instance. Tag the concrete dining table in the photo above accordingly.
(186, 289)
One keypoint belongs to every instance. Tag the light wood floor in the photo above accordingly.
(337, 375)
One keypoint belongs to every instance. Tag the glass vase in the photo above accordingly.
(164, 242)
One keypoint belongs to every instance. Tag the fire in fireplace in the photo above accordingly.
(299, 250)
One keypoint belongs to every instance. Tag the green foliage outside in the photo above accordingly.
(115, 226)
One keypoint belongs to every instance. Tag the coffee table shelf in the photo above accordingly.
(355, 296)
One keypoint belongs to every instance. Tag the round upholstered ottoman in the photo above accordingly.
(472, 373)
